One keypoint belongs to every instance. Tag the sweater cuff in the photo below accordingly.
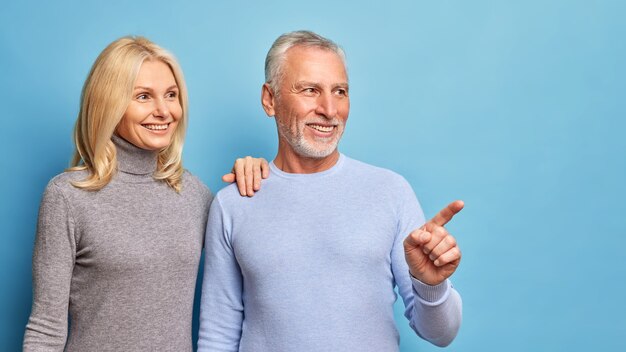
(431, 295)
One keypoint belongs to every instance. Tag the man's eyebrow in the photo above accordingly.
(301, 84)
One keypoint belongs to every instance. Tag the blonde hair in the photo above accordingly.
(104, 99)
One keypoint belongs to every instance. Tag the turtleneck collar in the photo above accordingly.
(134, 160)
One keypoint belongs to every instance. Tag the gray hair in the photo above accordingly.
(276, 55)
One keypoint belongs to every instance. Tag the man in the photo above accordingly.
(310, 262)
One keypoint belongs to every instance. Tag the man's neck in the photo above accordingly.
(296, 164)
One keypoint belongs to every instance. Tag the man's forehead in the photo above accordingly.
(316, 62)
(310, 51)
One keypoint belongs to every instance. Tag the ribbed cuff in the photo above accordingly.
(431, 295)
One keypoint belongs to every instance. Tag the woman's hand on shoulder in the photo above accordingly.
(248, 172)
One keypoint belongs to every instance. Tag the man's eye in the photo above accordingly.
(309, 90)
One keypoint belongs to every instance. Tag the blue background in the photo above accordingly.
(515, 107)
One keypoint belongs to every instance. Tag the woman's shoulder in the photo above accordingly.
(65, 179)
(61, 187)
(191, 183)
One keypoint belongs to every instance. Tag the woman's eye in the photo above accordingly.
(172, 95)
(142, 96)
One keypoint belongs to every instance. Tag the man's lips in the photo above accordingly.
(321, 128)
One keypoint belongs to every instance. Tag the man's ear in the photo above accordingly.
(267, 100)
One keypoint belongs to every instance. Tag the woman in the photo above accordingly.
(120, 233)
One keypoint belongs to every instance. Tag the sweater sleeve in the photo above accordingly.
(221, 305)
(434, 312)
(53, 263)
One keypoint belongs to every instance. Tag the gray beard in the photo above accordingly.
(302, 147)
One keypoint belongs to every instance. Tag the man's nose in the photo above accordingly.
(326, 106)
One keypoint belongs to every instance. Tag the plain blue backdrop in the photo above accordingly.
(516, 107)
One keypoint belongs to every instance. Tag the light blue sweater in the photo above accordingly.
(310, 264)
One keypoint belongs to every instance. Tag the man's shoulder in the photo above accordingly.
(355, 164)
(229, 196)
(365, 172)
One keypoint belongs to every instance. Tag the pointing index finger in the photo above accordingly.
(447, 213)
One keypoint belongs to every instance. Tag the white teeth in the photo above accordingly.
(156, 127)
(322, 128)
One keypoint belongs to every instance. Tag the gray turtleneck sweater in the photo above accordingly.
(120, 263)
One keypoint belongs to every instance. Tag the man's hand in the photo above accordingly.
(430, 251)
(248, 172)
